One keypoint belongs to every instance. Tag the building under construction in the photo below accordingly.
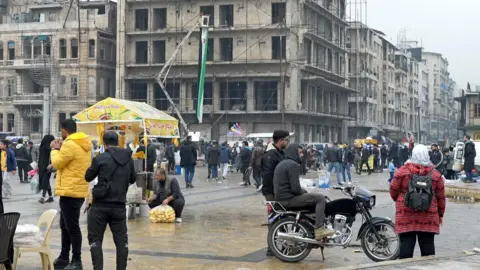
(270, 64)
(56, 58)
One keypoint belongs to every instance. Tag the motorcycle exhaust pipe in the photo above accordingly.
(294, 238)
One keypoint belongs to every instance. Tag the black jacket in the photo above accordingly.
(246, 155)
(393, 153)
(348, 157)
(469, 154)
(188, 154)
(286, 178)
(214, 156)
(334, 154)
(21, 153)
(270, 160)
(116, 167)
(435, 157)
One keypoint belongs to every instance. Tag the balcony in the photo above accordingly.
(318, 35)
(26, 99)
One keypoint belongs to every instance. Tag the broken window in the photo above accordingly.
(141, 19)
(210, 49)
(278, 12)
(210, 11)
(91, 48)
(266, 94)
(159, 51)
(159, 18)
(63, 48)
(226, 15)
(233, 96)
(279, 50)
(11, 50)
(226, 49)
(141, 52)
(138, 91)
(161, 101)
(207, 94)
(74, 48)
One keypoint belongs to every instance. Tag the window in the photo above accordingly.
(11, 50)
(111, 88)
(233, 96)
(279, 50)
(226, 49)
(266, 96)
(161, 101)
(141, 19)
(63, 49)
(103, 93)
(226, 15)
(159, 18)
(72, 114)
(92, 90)
(158, 51)
(74, 48)
(36, 124)
(37, 47)
(210, 11)
(73, 86)
(61, 117)
(52, 16)
(210, 49)
(141, 52)
(11, 88)
(138, 91)
(1, 122)
(91, 14)
(207, 94)
(62, 86)
(102, 50)
(91, 48)
(11, 122)
(476, 110)
(278, 12)
(47, 47)
(1, 50)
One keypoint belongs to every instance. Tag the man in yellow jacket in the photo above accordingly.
(71, 157)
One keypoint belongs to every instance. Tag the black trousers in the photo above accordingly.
(369, 170)
(22, 170)
(171, 164)
(177, 205)
(116, 218)
(70, 227)
(256, 173)
(310, 200)
(425, 241)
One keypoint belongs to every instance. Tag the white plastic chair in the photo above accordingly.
(46, 219)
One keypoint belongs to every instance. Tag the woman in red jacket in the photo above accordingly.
(410, 224)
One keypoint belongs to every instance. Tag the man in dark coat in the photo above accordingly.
(384, 155)
(435, 155)
(188, 160)
(170, 154)
(393, 154)
(256, 164)
(245, 155)
(213, 160)
(469, 155)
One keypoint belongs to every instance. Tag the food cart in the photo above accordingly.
(131, 120)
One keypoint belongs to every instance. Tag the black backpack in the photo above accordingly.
(420, 194)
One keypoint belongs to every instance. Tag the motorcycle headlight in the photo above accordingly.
(372, 201)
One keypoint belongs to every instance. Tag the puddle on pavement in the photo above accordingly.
(463, 199)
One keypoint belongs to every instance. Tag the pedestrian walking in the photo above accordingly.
(366, 153)
(45, 169)
(270, 160)
(151, 153)
(188, 160)
(383, 156)
(115, 171)
(233, 157)
(393, 154)
(256, 164)
(170, 154)
(469, 155)
(214, 160)
(347, 161)
(33, 153)
(403, 155)
(391, 170)
(167, 192)
(411, 224)
(334, 159)
(207, 157)
(245, 156)
(71, 157)
(21, 154)
(450, 158)
(224, 159)
(9, 166)
(376, 159)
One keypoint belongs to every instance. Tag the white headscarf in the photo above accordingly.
(420, 156)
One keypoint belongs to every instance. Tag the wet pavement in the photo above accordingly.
(223, 229)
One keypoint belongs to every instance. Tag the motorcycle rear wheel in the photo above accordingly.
(369, 236)
(285, 225)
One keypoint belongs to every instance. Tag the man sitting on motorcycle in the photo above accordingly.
(287, 189)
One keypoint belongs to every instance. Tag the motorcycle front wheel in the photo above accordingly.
(285, 250)
(379, 249)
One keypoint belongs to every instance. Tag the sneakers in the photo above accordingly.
(178, 220)
(321, 233)
(259, 188)
(189, 185)
(42, 200)
(49, 200)
(74, 265)
(60, 263)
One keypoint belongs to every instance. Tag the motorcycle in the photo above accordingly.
(291, 234)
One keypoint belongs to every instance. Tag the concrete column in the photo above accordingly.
(18, 84)
(185, 98)
(5, 122)
(216, 95)
(150, 94)
(250, 95)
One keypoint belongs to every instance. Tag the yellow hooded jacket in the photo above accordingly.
(71, 162)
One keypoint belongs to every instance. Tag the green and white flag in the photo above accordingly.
(201, 74)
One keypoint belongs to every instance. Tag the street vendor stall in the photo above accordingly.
(129, 118)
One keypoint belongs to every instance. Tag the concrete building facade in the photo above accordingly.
(80, 44)
(267, 61)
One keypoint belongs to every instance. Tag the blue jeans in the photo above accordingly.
(338, 170)
(391, 177)
(468, 174)
(189, 172)
(346, 168)
(213, 169)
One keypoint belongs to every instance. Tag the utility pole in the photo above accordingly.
(282, 76)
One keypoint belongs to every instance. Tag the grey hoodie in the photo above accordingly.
(286, 178)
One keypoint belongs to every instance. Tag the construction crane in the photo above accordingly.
(162, 76)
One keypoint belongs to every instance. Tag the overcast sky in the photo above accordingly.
(444, 26)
